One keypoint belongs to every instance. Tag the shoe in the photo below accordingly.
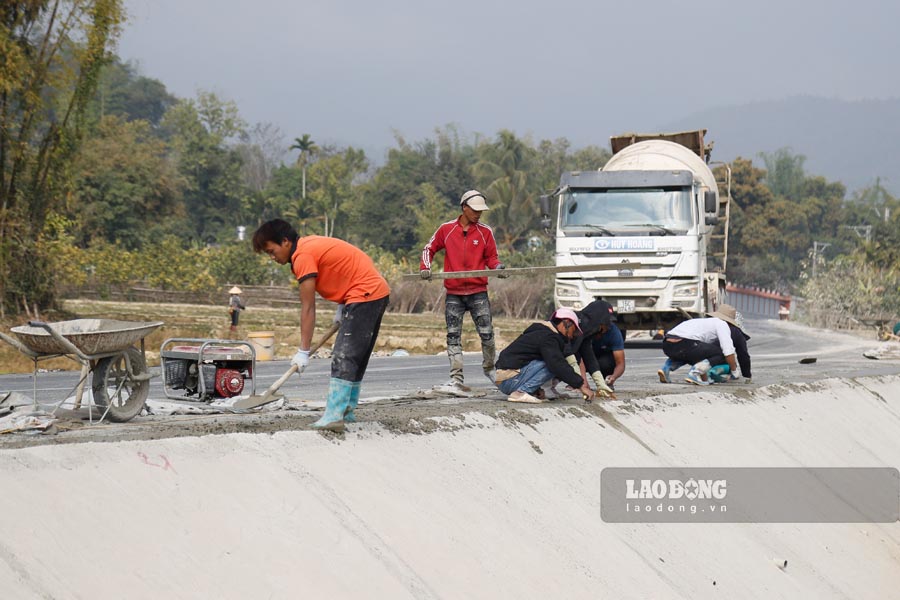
(719, 373)
(452, 387)
(694, 377)
(524, 397)
(339, 391)
(492, 375)
(664, 372)
(550, 391)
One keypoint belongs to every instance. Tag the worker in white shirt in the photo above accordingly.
(701, 343)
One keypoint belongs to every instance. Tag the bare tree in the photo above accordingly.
(261, 149)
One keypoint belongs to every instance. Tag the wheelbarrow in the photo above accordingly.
(881, 325)
(120, 381)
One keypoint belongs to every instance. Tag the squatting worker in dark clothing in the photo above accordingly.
(603, 348)
(600, 347)
(468, 246)
(537, 356)
(739, 338)
(342, 273)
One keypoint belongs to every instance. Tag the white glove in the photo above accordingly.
(574, 364)
(339, 313)
(425, 274)
(600, 382)
(301, 359)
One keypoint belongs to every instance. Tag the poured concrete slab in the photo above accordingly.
(475, 504)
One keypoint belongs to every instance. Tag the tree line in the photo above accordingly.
(106, 177)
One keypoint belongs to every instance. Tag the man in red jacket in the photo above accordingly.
(468, 246)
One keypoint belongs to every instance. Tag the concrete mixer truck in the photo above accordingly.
(657, 218)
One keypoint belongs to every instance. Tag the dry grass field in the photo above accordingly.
(416, 333)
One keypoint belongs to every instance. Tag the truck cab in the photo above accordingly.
(653, 215)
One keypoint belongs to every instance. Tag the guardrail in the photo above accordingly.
(759, 302)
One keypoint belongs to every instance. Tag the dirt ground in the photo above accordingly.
(422, 333)
(415, 333)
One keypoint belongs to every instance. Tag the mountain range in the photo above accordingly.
(853, 142)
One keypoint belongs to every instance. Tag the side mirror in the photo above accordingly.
(545, 204)
(545, 223)
(710, 202)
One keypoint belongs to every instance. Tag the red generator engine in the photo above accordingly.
(206, 370)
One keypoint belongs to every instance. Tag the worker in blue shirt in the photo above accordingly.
(609, 349)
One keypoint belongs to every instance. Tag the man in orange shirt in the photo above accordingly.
(342, 273)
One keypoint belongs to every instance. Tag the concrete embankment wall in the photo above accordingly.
(482, 507)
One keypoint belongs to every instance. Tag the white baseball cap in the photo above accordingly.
(474, 199)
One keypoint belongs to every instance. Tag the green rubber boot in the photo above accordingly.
(349, 415)
(338, 401)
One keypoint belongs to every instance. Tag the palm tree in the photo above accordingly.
(502, 167)
(307, 148)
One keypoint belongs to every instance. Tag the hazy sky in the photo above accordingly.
(352, 72)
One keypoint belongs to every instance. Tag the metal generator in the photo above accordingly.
(206, 370)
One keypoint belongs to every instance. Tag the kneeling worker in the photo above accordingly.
(537, 356)
(603, 347)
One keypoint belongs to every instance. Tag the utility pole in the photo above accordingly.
(817, 247)
(857, 229)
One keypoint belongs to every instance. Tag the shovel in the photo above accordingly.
(270, 394)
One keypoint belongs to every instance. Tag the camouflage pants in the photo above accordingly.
(480, 308)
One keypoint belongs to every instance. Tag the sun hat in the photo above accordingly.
(727, 313)
(235, 290)
(568, 313)
(474, 199)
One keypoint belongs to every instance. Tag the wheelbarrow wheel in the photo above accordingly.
(112, 386)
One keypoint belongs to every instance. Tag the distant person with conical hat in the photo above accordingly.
(235, 306)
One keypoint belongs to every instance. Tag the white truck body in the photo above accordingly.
(655, 203)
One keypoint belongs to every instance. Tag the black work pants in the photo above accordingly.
(692, 351)
(356, 338)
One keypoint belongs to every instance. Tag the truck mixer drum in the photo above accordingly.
(229, 382)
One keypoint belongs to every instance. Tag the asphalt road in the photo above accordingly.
(776, 348)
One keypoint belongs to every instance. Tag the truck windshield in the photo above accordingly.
(627, 209)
